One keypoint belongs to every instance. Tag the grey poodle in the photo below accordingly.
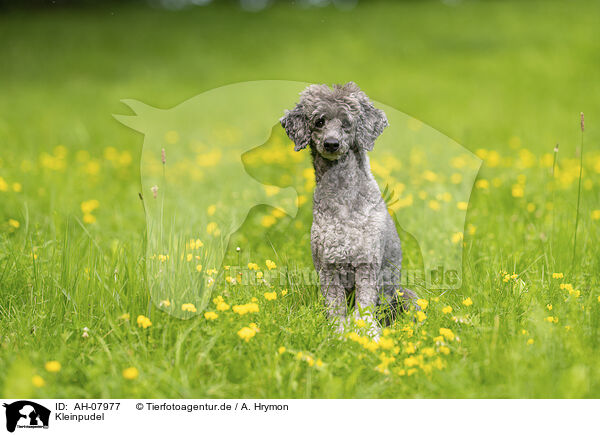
(355, 245)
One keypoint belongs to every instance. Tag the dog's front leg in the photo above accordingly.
(334, 292)
(367, 296)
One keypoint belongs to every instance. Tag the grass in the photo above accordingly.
(505, 80)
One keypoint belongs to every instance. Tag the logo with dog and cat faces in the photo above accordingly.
(220, 178)
(25, 414)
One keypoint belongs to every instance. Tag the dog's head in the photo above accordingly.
(334, 120)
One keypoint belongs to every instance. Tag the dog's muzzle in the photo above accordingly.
(331, 145)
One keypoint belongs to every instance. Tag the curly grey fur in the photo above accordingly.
(355, 245)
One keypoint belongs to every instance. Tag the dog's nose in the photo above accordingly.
(331, 145)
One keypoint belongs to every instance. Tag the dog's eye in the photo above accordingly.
(346, 124)
(320, 122)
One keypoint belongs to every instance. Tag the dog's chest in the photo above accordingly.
(347, 230)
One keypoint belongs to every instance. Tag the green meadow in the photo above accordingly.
(506, 80)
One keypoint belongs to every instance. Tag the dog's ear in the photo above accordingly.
(295, 124)
(372, 121)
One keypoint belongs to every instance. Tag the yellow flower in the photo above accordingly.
(188, 307)
(222, 305)
(482, 184)
(246, 308)
(371, 345)
(53, 366)
(270, 296)
(447, 334)
(284, 292)
(558, 275)
(278, 213)
(467, 302)
(271, 190)
(353, 336)
(14, 223)
(551, 319)
(199, 268)
(423, 303)
(447, 309)
(598, 298)
(438, 363)
(267, 221)
(165, 303)
(246, 333)
(411, 361)
(319, 363)
(530, 341)
(89, 206)
(252, 266)
(386, 343)
(524, 332)
(211, 209)
(213, 229)
(434, 205)
(38, 381)
(421, 316)
(270, 264)
(428, 351)
(281, 350)
(89, 218)
(457, 237)
(210, 315)
(130, 373)
(549, 306)
(259, 275)
(462, 205)
(596, 215)
(360, 323)
(456, 178)
(301, 200)
(518, 191)
(143, 322)
(445, 350)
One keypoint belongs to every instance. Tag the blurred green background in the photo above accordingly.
(505, 79)
(479, 72)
